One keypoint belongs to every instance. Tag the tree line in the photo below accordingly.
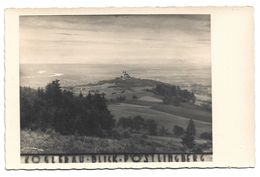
(60, 110)
(174, 94)
(138, 124)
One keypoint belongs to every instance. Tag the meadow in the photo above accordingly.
(162, 118)
(51, 142)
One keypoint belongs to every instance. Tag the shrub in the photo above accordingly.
(189, 136)
(178, 131)
(206, 135)
(120, 98)
(134, 97)
(163, 131)
(200, 148)
(172, 92)
(138, 124)
(176, 101)
(111, 100)
(207, 106)
(151, 127)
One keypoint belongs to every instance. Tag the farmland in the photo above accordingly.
(125, 99)
(162, 118)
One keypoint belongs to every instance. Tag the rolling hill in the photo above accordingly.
(128, 97)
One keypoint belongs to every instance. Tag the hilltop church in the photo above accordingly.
(125, 76)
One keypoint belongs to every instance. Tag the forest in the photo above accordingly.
(54, 108)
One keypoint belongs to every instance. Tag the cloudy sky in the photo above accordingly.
(162, 39)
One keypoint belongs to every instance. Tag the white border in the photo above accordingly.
(80, 3)
(232, 85)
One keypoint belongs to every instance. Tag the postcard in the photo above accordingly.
(105, 88)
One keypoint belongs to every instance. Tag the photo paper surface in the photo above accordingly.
(118, 89)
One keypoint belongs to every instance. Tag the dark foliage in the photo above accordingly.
(178, 131)
(207, 106)
(189, 136)
(139, 124)
(206, 135)
(120, 98)
(174, 94)
(163, 131)
(60, 110)
(134, 97)
(176, 101)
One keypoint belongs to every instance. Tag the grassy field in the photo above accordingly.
(188, 111)
(147, 104)
(138, 88)
(185, 110)
(38, 142)
(52, 142)
(165, 119)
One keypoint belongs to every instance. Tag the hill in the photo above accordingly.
(145, 97)
(139, 115)
(146, 90)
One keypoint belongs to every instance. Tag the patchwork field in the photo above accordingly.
(168, 120)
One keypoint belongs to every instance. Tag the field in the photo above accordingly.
(162, 118)
(37, 142)
(149, 105)
(138, 100)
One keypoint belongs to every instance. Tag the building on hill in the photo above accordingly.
(125, 76)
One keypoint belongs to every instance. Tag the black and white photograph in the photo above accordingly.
(116, 84)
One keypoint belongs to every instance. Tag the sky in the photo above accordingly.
(116, 39)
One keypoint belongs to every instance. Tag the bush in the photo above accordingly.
(111, 100)
(206, 135)
(151, 127)
(174, 94)
(176, 101)
(118, 133)
(138, 124)
(163, 131)
(120, 98)
(134, 97)
(189, 136)
(200, 148)
(207, 106)
(178, 131)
